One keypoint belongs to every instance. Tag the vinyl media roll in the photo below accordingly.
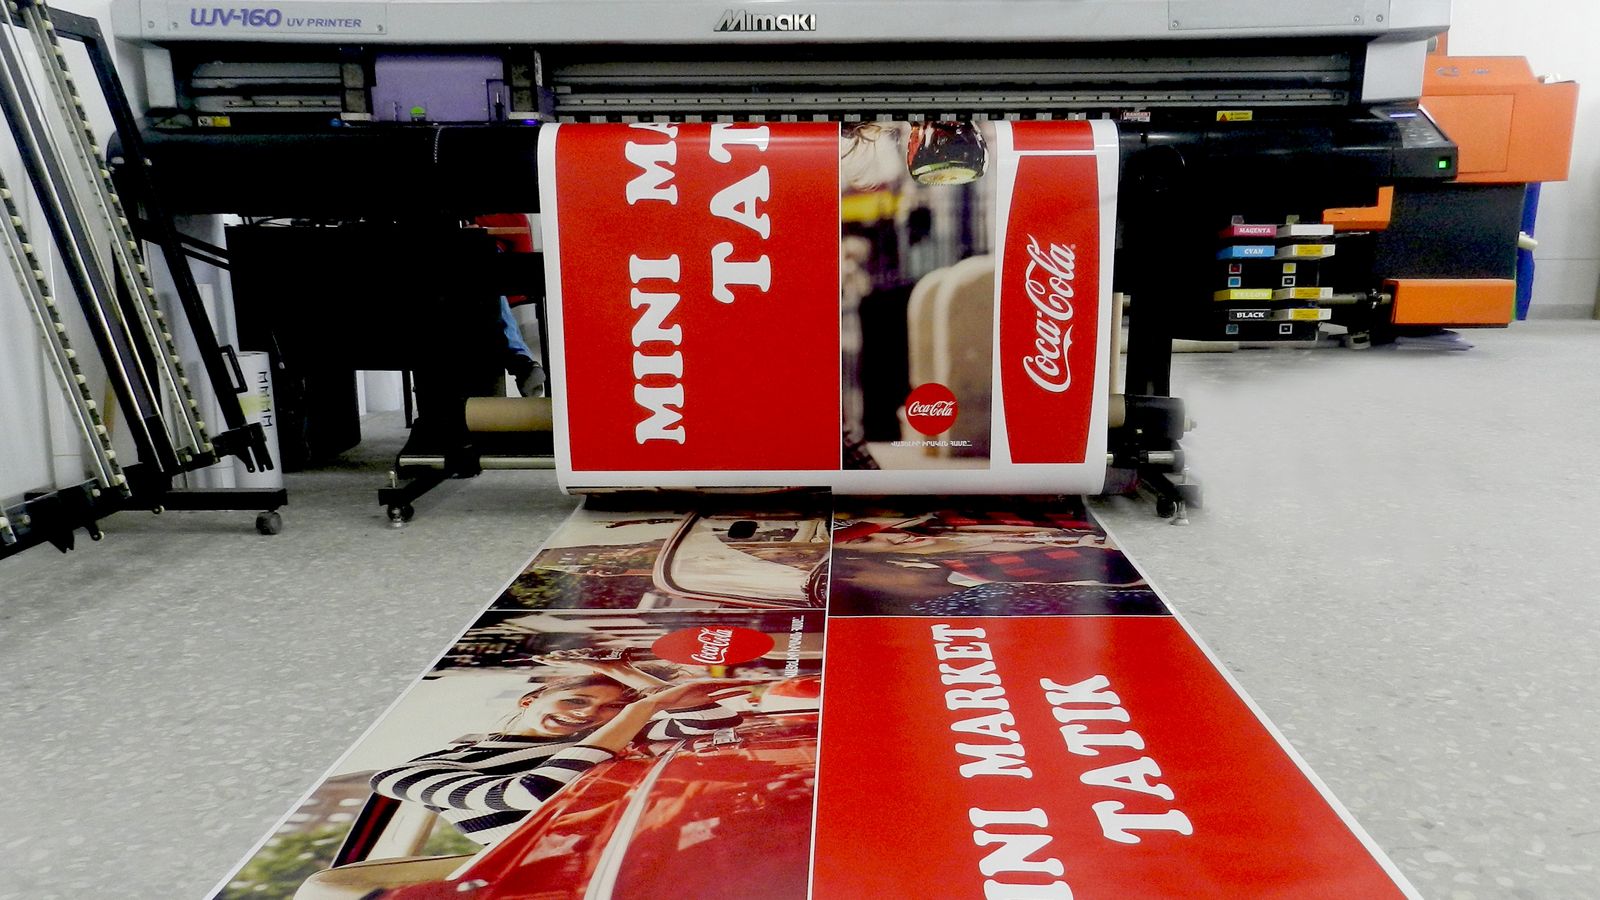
(886, 307)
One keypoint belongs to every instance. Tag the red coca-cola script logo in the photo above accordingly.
(712, 646)
(931, 409)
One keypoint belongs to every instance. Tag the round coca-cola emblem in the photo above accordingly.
(720, 645)
(931, 409)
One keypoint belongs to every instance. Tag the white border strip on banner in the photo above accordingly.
(822, 693)
(334, 768)
(555, 330)
(1108, 150)
(838, 335)
(1344, 814)
(1005, 187)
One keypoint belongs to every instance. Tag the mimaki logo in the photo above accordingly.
(741, 20)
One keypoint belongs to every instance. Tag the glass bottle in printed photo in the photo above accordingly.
(946, 152)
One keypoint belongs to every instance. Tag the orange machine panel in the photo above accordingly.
(1364, 218)
(1480, 126)
(1453, 301)
(1511, 127)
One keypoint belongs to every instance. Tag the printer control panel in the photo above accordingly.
(1424, 150)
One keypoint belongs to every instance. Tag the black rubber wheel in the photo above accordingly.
(1166, 508)
(269, 522)
(402, 513)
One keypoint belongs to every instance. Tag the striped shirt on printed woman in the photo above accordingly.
(485, 788)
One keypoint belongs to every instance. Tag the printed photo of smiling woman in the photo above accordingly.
(558, 731)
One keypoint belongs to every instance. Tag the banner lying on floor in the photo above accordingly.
(750, 304)
(1006, 710)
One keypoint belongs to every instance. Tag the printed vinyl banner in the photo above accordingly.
(635, 715)
(726, 703)
(867, 309)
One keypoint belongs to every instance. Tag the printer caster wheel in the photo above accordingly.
(269, 522)
(1174, 494)
(401, 514)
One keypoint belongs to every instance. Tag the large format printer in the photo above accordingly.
(378, 129)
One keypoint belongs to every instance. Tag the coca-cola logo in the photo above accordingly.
(1049, 282)
(712, 646)
(931, 409)
(1049, 294)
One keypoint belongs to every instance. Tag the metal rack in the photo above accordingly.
(101, 251)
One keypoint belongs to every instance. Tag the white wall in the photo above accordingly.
(1559, 38)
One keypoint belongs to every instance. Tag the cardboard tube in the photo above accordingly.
(486, 463)
(1117, 408)
(509, 414)
(1119, 307)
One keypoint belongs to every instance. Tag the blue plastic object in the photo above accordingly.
(1525, 263)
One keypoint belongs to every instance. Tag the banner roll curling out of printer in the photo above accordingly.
(880, 307)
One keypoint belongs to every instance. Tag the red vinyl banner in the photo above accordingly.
(1050, 295)
(1047, 758)
(699, 272)
(864, 307)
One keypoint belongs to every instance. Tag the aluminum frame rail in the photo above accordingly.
(101, 253)
(126, 254)
(58, 200)
(63, 360)
(241, 438)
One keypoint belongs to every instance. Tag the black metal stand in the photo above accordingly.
(156, 226)
(404, 490)
(54, 517)
(1158, 216)
(415, 474)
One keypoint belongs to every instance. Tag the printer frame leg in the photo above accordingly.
(1161, 258)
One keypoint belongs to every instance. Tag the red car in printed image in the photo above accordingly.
(731, 560)
(722, 816)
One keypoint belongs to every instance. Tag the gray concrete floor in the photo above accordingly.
(1395, 560)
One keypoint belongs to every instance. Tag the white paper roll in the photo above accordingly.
(258, 405)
